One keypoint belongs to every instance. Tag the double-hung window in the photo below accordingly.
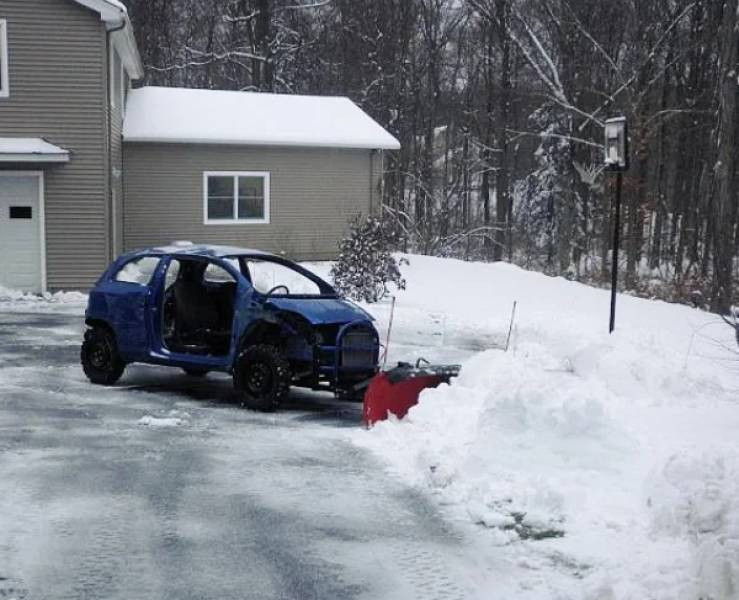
(231, 197)
(4, 81)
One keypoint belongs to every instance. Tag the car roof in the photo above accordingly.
(204, 250)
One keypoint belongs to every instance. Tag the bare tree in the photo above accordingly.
(499, 106)
(725, 196)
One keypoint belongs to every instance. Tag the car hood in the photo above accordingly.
(322, 311)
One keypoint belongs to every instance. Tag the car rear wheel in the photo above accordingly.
(99, 356)
(262, 378)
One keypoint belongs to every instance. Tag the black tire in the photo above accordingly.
(99, 356)
(195, 372)
(262, 377)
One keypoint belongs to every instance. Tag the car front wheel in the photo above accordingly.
(99, 356)
(262, 378)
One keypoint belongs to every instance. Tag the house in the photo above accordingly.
(90, 167)
(277, 172)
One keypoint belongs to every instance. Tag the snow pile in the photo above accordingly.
(509, 414)
(695, 497)
(601, 466)
(174, 418)
(17, 301)
(9, 295)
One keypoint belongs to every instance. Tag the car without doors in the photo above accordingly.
(267, 321)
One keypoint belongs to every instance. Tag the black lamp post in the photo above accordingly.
(617, 161)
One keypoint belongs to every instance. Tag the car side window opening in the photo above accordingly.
(198, 307)
(217, 274)
(173, 270)
(267, 275)
(138, 271)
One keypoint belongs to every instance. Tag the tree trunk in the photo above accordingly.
(263, 73)
(488, 141)
(502, 180)
(724, 169)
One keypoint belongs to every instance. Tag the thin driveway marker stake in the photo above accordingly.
(389, 331)
(510, 328)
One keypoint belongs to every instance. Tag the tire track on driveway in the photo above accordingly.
(227, 504)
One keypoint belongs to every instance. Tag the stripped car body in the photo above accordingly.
(206, 308)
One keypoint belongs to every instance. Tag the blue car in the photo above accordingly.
(264, 319)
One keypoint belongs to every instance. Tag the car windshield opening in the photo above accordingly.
(280, 280)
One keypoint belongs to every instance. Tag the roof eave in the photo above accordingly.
(119, 24)
(125, 43)
(107, 12)
(33, 157)
(389, 145)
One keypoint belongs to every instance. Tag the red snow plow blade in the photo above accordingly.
(396, 391)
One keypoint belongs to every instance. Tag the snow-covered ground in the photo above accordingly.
(619, 451)
(577, 465)
(59, 302)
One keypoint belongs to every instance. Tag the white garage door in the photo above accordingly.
(20, 232)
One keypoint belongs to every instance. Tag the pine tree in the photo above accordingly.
(365, 265)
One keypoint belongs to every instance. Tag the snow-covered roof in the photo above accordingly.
(31, 150)
(177, 115)
(115, 16)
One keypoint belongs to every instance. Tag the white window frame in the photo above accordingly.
(4, 59)
(265, 175)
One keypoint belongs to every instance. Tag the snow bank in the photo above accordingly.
(160, 422)
(17, 301)
(9, 295)
(601, 466)
(175, 418)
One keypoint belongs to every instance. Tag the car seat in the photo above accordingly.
(196, 314)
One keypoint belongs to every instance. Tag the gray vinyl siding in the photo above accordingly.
(314, 194)
(58, 78)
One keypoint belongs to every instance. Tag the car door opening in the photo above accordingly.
(198, 308)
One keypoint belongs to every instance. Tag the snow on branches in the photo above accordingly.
(366, 265)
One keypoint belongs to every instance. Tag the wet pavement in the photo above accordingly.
(161, 487)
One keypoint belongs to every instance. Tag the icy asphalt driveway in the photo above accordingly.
(163, 488)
